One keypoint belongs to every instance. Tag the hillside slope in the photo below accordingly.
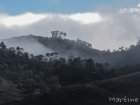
(93, 93)
(77, 48)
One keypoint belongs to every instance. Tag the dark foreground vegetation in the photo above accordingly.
(48, 79)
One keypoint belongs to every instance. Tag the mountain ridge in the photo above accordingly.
(77, 48)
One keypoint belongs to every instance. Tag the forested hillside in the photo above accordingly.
(65, 71)
(65, 47)
(26, 79)
(24, 74)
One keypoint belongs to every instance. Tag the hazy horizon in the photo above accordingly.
(105, 24)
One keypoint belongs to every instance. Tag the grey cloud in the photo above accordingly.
(115, 30)
(130, 10)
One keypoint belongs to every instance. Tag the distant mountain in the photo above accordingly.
(77, 48)
(42, 45)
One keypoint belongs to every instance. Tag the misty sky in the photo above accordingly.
(107, 24)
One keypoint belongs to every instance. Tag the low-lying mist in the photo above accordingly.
(38, 45)
(29, 45)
